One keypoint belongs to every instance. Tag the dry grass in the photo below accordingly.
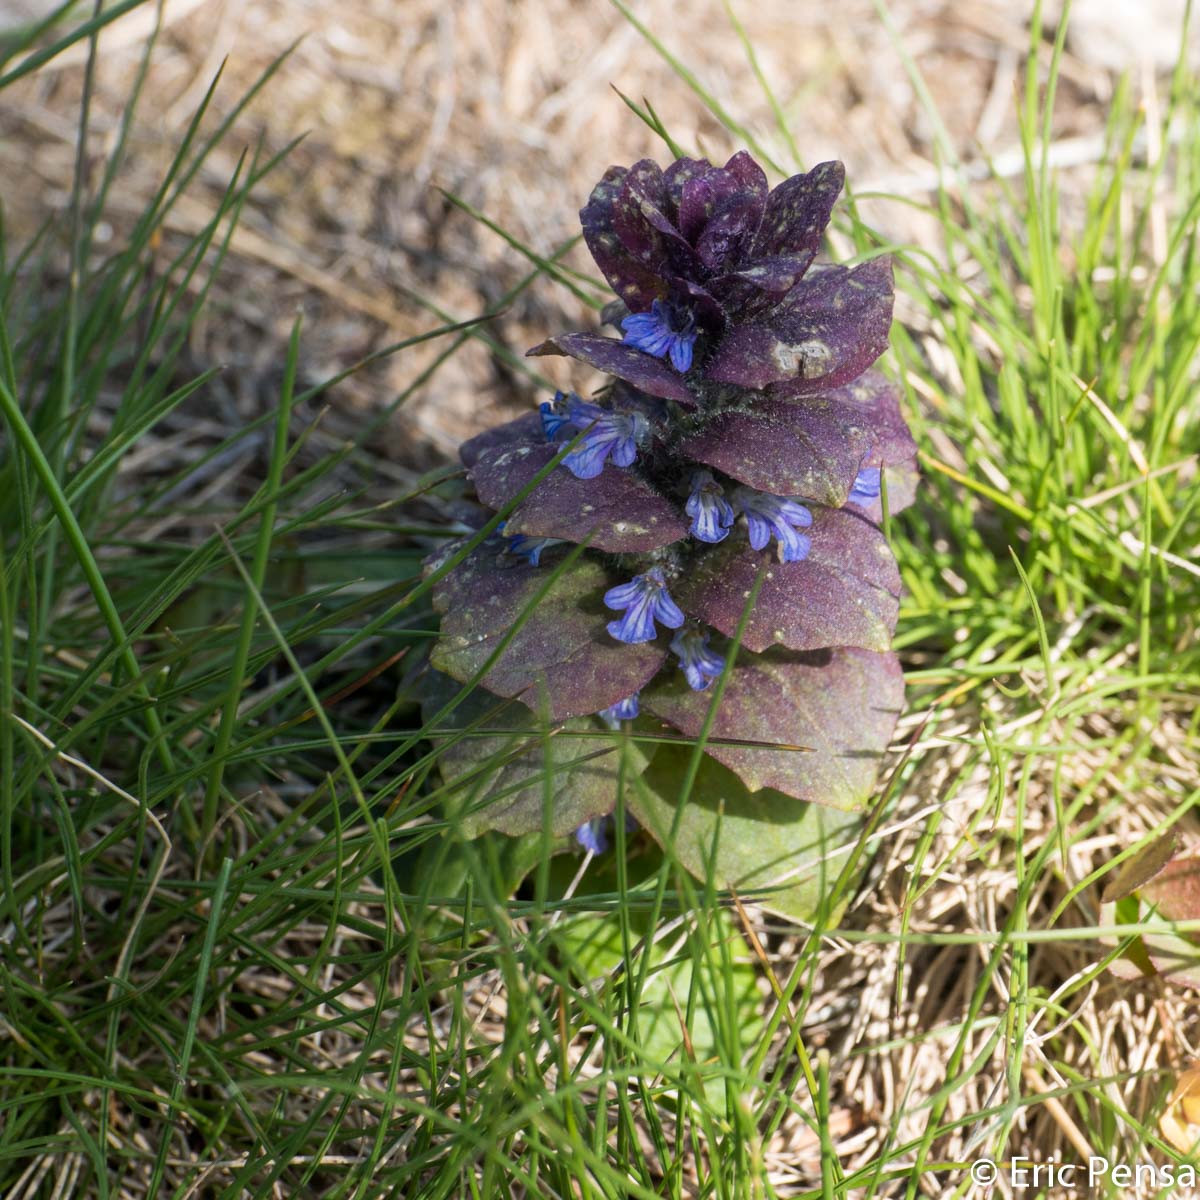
(511, 107)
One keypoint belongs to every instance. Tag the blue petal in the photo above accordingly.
(590, 835)
(667, 611)
(795, 514)
(624, 452)
(637, 625)
(793, 546)
(681, 354)
(700, 664)
(624, 594)
(587, 460)
(867, 486)
(623, 710)
(760, 531)
(554, 416)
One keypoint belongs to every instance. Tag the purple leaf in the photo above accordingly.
(651, 375)
(771, 276)
(890, 444)
(644, 228)
(748, 173)
(1174, 892)
(878, 400)
(729, 229)
(561, 655)
(845, 593)
(824, 718)
(677, 176)
(798, 211)
(827, 330)
(812, 449)
(525, 430)
(637, 284)
(701, 196)
(621, 511)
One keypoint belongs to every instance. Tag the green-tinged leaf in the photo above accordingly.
(726, 992)
(496, 771)
(560, 654)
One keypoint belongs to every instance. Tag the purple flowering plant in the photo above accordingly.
(705, 530)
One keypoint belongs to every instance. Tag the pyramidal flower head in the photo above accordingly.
(716, 234)
(740, 394)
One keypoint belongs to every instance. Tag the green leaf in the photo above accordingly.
(706, 981)
(761, 841)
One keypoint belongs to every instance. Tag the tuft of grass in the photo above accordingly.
(243, 948)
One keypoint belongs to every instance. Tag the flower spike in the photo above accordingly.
(645, 600)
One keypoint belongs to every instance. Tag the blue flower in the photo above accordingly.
(530, 548)
(700, 664)
(623, 710)
(605, 433)
(591, 835)
(711, 513)
(866, 486)
(645, 599)
(554, 415)
(770, 516)
(664, 330)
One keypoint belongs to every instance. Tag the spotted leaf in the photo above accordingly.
(617, 510)
(827, 330)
